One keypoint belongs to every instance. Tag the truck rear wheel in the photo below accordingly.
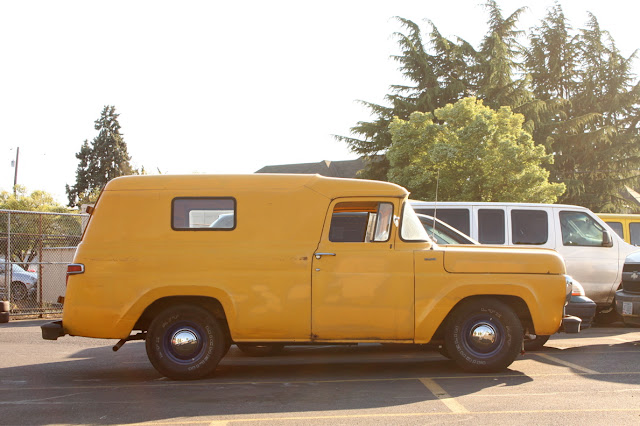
(483, 335)
(185, 342)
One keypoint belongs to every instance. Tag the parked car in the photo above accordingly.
(579, 305)
(23, 283)
(593, 253)
(628, 297)
(442, 233)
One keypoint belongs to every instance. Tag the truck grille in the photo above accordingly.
(631, 286)
(631, 277)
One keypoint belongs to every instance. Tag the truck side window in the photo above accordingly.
(529, 227)
(361, 222)
(579, 229)
(458, 218)
(491, 226)
(634, 233)
(203, 214)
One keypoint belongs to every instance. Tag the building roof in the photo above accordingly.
(342, 169)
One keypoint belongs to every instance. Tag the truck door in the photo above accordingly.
(362, 288)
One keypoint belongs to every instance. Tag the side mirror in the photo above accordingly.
(607, 241)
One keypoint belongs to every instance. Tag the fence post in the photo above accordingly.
(40, 237)
(9, 264)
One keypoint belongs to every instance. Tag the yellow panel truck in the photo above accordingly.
(193, 264)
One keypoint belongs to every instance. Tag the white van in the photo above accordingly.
(594, 254)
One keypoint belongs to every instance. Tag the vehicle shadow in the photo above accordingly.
(106, 386)
(302, 379)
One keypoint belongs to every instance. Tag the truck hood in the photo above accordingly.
(502, 260)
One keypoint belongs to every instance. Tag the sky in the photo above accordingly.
(218, 86)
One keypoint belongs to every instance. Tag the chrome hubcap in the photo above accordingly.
(483, 335)
(184, 342)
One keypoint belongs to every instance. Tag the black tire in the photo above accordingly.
(203, 342)
(608, 317)
(536, 343)
(18, 290)
(4, 317)
(483, 335)
(5, 306)
(261, 349)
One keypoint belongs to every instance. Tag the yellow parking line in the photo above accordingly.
(567, 364)
(443, 396)
(393, 416)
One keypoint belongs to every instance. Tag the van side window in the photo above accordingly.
(491, 226)
(617, 227)
(580, 229)
(529, 227)
(203, 214)
(634, 233)
(458, 218)
(361, 222)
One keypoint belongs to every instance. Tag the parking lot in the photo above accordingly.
(591, 378)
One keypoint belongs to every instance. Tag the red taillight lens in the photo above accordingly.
(74, 268)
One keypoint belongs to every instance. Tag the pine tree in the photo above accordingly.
(500, 64)
(604, 156)
(102, 160)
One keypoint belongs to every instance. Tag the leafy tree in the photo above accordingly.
(475, 153)
(102, 160)
(36, 201)
(574, 89)
(30, 231)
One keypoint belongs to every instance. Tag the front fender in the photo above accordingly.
(545, 308)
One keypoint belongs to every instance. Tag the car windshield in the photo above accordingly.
(441, 234)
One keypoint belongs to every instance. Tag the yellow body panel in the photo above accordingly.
(265, 273)
(625, 221)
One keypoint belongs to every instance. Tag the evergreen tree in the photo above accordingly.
(575, 90)
(604, 155)
(441, 77)
(500, 63)
(102, 160)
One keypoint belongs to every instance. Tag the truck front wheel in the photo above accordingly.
(483, 335)
(185, 342)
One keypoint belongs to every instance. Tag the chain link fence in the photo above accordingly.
(35, 248)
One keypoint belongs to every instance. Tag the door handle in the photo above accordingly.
(319, 255)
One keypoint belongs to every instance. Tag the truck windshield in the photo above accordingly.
(411, 228)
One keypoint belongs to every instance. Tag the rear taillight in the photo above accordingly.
(74, 269)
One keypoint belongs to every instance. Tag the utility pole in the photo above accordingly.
(15, 176)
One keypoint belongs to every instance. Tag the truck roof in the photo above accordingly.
(327, 186)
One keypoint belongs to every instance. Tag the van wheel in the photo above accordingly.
(607, 316)
(536, 343)
(185, 342)
(261, 349)
(483, 335)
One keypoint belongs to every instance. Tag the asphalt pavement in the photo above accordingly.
(590, 378)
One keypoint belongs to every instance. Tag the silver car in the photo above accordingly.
(23, 283)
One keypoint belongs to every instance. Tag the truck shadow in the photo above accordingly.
(303, 379)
